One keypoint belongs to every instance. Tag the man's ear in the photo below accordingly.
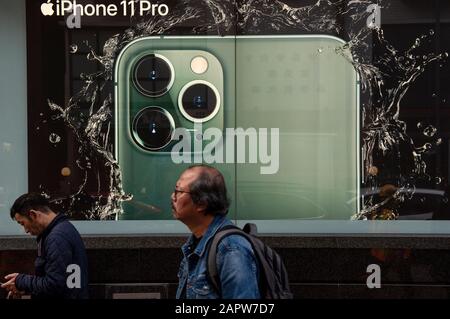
(33, 214)
(201, 207)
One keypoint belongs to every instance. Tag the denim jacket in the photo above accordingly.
(236, 265)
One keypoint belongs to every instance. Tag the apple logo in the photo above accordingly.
(47, 8)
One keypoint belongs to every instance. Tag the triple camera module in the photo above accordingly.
(165, 97)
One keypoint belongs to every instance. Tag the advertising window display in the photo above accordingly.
(323, 116)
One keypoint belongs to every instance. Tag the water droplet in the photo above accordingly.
(65, 171)
(425, 57)
(423, 199)
(438, 141)
(444, 100)
(320, 50)
(373, 170)
(445, 200)
(434, 95)
(429, 131)
(445, 55)
(431, 32)
(37, 128)
(419, 125)
(41, 114)
(417, 42)
(54, 138)
(73, 48)
(437, 180)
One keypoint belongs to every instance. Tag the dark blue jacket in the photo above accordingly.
(59, 246)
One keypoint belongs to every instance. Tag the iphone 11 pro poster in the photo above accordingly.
(277, 115)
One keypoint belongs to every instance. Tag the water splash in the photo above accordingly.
(54, 138)
(429, 131)
(73, 48)
(384, 83)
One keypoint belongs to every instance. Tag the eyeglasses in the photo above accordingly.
(177, 191)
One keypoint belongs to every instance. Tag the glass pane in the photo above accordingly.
(300, 87)
(160, 123)
(329, 123)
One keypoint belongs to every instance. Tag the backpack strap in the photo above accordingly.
(211, 263)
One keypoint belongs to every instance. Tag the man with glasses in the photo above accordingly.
(61, 265)
(200, 201)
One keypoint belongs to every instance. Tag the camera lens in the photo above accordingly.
(199, 101)
(153, 128)
(153, 75)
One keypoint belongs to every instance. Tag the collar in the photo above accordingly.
(217, 223)
(57, 220)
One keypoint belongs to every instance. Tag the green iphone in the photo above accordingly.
(277, 115)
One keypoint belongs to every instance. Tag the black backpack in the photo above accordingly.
(273, 278)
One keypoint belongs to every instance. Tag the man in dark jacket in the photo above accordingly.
(61, 266)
